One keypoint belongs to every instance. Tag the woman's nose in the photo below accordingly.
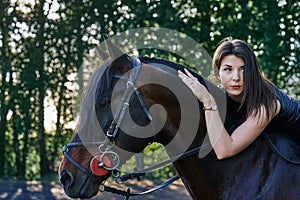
(236, 76)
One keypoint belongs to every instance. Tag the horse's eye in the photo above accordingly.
(103, 104)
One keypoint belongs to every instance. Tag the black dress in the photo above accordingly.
(283, 132)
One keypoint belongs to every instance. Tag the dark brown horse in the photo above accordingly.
(132, 102)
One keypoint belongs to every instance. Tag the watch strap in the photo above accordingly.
(212, 107)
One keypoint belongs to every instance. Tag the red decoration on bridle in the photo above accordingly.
(99, 165)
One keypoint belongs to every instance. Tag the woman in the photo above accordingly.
(236, 66)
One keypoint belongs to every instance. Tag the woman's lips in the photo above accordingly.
(235, 87)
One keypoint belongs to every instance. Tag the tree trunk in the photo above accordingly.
(40, 43)
(4, 90)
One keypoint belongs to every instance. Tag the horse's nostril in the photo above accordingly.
(66, 178)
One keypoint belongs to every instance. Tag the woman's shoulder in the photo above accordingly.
(288, 111)
(286, 100)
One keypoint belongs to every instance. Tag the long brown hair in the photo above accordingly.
(258, 90)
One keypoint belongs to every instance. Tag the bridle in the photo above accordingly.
(108, 160)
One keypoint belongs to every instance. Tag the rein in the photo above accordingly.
(108, 160)
(120, 179)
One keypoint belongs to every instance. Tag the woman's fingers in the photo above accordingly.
(189, 74)
(192, 82)
(183, 76)
(186, 79)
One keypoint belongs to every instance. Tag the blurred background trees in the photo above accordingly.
(43, 43)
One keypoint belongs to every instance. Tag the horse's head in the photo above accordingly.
(110, 98)
(128, 104)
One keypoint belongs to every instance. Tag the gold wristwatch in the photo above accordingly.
(212, 107)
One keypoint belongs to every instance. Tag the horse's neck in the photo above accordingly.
(199, 175)
(205, 176)
(209, 178)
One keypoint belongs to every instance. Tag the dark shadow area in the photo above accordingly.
(40, 190)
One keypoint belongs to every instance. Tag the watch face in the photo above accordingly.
(214, 107)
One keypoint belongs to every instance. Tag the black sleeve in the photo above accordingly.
(290, 110)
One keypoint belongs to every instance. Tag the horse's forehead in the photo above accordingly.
(115, 85)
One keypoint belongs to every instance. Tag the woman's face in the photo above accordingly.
(231, 76)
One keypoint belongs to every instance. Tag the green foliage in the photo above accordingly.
(44, 43)
(153, 154)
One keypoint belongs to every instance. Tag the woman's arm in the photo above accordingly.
(226, 145)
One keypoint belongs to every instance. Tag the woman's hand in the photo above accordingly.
(197, 88)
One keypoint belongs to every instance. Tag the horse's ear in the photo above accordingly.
(120, 61)
(102, 53)
(113, 50)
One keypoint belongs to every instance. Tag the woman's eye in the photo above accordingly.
(227, 69)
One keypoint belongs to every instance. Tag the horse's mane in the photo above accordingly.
(176, 66)
(173, 65)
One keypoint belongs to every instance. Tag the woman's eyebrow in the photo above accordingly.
(227, 65)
